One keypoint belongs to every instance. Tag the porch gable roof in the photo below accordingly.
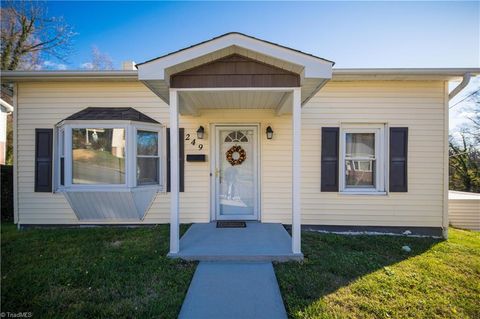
(313, 71)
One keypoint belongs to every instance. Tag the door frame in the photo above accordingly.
(213, 164)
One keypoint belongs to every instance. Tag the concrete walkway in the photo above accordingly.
(233, 290)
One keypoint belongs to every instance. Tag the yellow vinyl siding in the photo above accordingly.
(418, 105)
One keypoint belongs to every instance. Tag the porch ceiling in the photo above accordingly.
(314, 72)
(193, 102)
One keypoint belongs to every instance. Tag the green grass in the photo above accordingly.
(124, 272)
(91, 273)
(371, 277)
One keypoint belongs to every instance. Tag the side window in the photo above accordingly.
(359, 160)
(362, 165)
(148, 159)
(61, 155)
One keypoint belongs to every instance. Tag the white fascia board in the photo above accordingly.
(314, 67)
(19, 76)
(402, 73)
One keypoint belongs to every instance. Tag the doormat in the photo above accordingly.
(231, 224)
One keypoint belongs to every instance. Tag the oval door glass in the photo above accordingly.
(237, 178)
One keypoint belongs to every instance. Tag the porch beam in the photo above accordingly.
(296, 170)
(223, 89)
(174, 175)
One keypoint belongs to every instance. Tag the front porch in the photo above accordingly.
(235, 71)
(256, 242)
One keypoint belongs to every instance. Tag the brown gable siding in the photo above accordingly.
(234, 71)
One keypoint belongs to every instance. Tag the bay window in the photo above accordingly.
(111, 155)
(362, 159)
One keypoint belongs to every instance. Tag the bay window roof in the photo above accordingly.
(111, 114)
(109, 163)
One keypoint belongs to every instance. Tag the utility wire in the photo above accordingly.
(465, 98)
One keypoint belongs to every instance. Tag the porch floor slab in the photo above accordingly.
(233, 290)
(256, 242)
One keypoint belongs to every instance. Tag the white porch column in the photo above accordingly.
(296, 170)
(174, 175)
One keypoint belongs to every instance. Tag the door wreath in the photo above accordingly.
(236, 155)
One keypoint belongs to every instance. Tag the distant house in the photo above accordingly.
(234, 128)
(5, 109)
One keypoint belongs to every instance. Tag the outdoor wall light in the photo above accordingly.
(200, 132)
(269, 133)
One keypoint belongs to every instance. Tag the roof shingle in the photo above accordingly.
(111, 114)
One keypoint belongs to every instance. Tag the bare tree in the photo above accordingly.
(28, 35)
(475, 118)
(100, 61)
(464, 165)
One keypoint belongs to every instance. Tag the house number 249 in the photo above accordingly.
(193, 142)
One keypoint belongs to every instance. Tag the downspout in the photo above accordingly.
(6, 107)
(446, 171)
(16, 217)
(461, 86)
(448, 98)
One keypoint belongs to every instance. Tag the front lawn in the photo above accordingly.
(91, 273)
(371, 277)
(109, 272)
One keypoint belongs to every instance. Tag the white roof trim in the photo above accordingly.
(16, 76)
(403, 73)
(314, 67)
(338, 73)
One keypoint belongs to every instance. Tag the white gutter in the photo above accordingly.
(17, 76)
(444, 74)
(461, 86)
(338, 74)
(6, 107)
(406, 71)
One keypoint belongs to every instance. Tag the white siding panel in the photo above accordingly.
(464, 210)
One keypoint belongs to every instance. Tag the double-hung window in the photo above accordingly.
(148, 157)
(61, 157)
(362, 159)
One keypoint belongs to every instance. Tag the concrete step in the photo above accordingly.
(233, 290)
(256, 242)
(239, 258)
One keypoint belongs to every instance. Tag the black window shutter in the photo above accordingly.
(398, 159)
(330, 161)
(181, 159)
(43, 159)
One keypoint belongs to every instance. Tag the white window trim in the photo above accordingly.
(131, 128)
(160, 156)
(380, 157)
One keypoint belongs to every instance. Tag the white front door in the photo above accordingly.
(236, 172)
